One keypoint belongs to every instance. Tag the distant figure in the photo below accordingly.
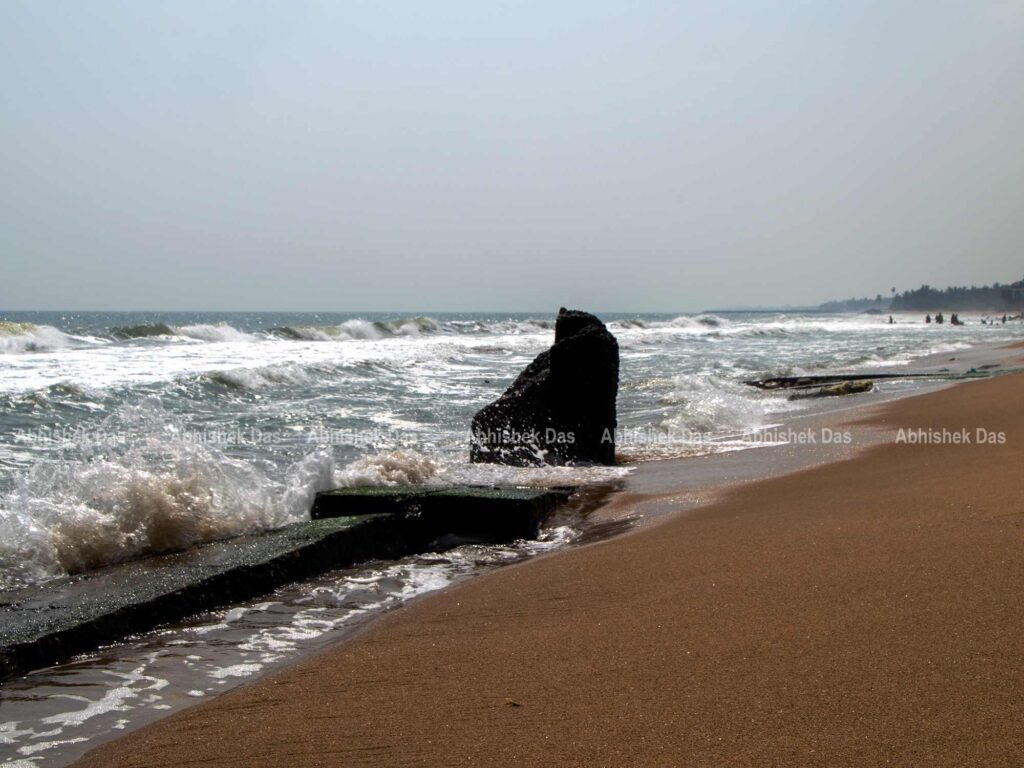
(954, 319)
(928, 319)
(940, 319)
(1004, 319)
(890, 319)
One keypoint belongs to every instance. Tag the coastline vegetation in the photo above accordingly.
(991, 298)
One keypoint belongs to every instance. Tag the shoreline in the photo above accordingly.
(385, 625)
(663, 486)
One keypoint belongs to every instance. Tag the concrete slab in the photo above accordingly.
(45, 625)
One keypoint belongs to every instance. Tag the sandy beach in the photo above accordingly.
(861, 612)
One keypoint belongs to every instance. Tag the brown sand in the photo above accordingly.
(867, 612)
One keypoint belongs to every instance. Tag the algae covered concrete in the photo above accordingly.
(44, 625)
(483, 512)
(47, 624)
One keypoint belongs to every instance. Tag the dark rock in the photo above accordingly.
(561, 408)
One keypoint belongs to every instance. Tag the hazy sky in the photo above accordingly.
(505, 155)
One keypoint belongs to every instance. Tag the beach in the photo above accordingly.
(860, 611)
(139, 440)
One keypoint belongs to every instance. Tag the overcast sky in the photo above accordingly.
(505, 155)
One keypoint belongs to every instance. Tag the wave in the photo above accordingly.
(516, 327)
(62, 395)
(501, 327)
(702, 322)
(460, 473)
(389, 468)
(142, 331)
(200, 332)
(159, 492)
(358, 329)
(707, 321)
(397, 468)
(768, 332)
(215, 332)
(351, 329)
(27, 337)
(259, 378)
(627, 324)
(121, 500)
(702, 404)
(414, 326)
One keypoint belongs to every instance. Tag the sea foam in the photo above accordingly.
(27, 337)
(358, 329)
(157, 492)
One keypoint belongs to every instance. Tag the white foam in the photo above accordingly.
(25, 337)
(357, 329)
(460, 473)
(388, 468)
(235, 670)
(214, 333)
(415, 326)
(397, 468)
(43, 746)
(156, 492)
(704, 403)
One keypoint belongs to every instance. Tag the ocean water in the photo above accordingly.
(128, 434)
(125, 434)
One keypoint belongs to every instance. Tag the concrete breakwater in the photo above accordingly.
(45, 625)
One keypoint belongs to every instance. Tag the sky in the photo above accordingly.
(504, 156)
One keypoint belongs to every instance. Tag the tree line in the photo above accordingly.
(993, 298)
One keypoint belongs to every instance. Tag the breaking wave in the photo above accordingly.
(358, 329)
(215, 332)
(129, 498)
(389, 468)
(27, 337)
(259, 378)
(200, 332)
(161, 493)
(143, 331)
(396, 468)
(716, 405)
(697, 323)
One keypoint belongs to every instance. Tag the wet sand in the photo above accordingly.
(861, 612)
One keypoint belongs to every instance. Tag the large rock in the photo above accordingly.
(561, 408)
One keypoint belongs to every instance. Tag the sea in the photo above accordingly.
(128, 434)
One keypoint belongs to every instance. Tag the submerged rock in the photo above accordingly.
(561, 408)
(836, 390)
